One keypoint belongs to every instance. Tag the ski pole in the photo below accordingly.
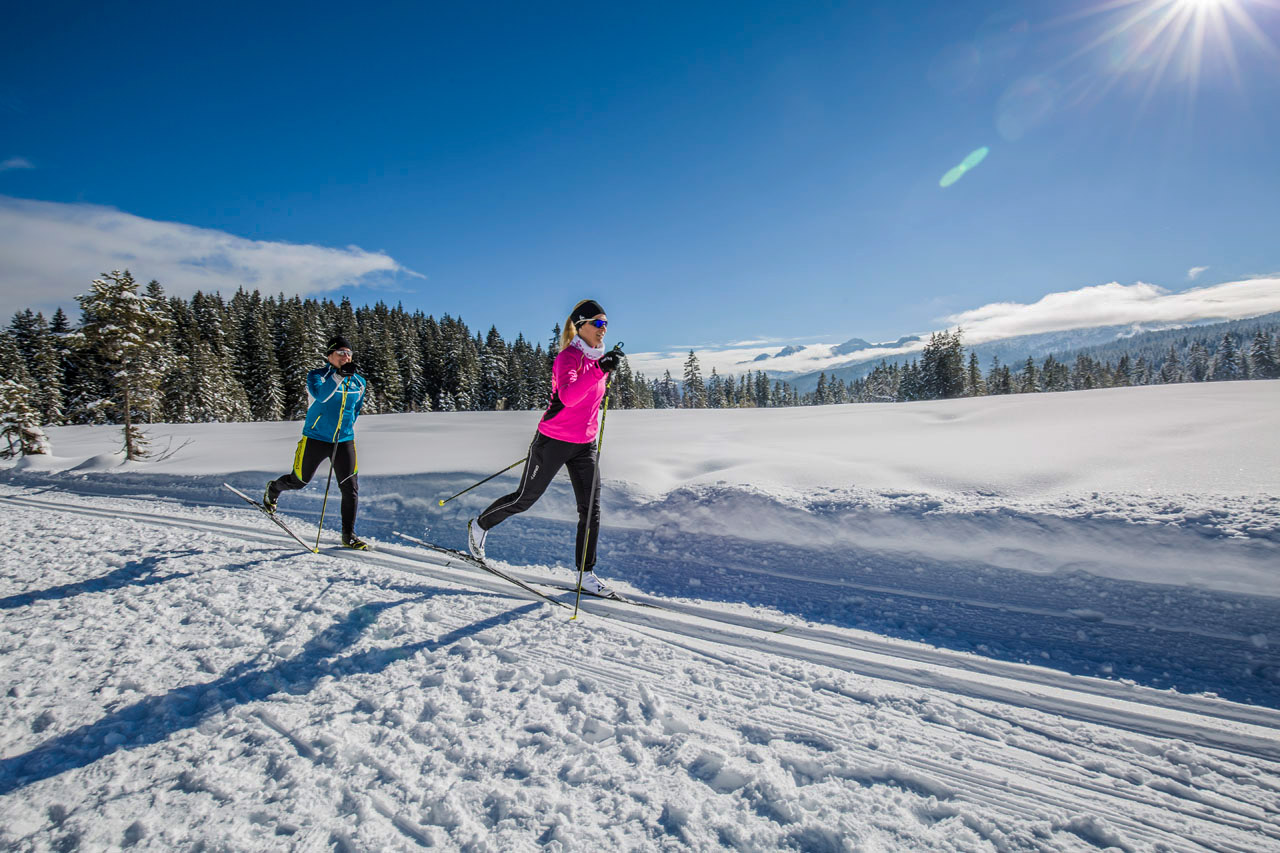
(444, 501)
(591, 497)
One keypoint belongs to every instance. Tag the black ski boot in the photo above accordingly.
(355, 543)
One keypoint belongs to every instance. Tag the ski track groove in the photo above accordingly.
(979, 603)
(970, 785)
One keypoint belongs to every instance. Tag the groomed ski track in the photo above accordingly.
(1025, 757)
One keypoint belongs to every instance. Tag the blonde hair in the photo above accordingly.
(570, 330)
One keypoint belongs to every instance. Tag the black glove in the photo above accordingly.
(610, 360)
(348, 369)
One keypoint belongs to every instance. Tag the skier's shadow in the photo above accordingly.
(134, 573)
(155, 718)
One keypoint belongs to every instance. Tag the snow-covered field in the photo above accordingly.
(1024, 623)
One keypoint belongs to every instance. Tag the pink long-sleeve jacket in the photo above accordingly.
(577, 387)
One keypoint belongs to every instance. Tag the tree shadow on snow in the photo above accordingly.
(157, 717)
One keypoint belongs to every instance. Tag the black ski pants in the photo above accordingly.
(546, 457)
(310, 453)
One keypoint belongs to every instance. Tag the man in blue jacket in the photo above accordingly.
(337, 394)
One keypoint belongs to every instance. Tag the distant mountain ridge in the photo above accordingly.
(1101, 342)
(847, 348)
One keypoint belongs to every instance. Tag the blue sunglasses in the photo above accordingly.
(599, 324)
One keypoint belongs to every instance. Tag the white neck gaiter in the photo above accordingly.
(593, 353)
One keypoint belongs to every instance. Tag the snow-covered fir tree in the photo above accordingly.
(1226, 361)
(695, 391)
(1198, 365)
(260, 370)
(122, 329)
(1171, 370)
(1029, 377)
(1261, 359)
(973, 384)
(20, 430)
(493, 372)
(942, 367)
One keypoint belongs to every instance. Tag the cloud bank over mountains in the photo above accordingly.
(1111, 304)
(52, 250)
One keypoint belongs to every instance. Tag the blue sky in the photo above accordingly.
(710, 172)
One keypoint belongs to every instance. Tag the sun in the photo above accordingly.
(1176, 39)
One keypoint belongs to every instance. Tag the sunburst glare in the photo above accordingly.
(1163, 40)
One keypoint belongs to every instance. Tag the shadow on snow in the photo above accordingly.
(186, 707)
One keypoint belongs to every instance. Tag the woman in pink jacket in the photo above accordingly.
(565, 437)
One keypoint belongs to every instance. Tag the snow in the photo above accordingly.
(1043, 623)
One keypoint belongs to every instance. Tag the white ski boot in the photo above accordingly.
(475, 539)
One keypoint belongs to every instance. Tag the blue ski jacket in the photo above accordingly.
(336, 401)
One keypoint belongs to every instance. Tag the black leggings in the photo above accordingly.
(546, 456)
(310, 453)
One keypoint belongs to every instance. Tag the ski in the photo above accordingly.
(611, 597)
(470, 560)
(262, 509)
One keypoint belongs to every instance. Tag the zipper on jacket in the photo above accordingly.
(342, 410)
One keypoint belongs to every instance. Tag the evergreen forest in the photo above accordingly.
(137, 356)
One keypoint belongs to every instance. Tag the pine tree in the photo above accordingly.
(20, 431)
(161, 356)
(911, 386)
(695, 391)
(553, 347)
(122, 329)
(46, 372)
(942, 374)
(1260, 357)
(1029, 379)
(973, 385)
(1085, 374)
(1123, 376)
(260, 369)
(298, 350)
(408, 355)
(1198, 365)
(624, 388)
(493, 372)
(1142, 371)
(644, 392)
(1171, 370)
(763, 392)
(1226, 361)
(12, 364)
(999, 378)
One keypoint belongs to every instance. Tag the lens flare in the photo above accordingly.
(955, 173)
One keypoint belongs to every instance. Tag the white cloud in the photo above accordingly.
(49, 252)
(1102, 305)
(16, 163)
(1194, 272)
(1118, 304)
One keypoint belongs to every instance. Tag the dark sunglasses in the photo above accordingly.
(599, 324)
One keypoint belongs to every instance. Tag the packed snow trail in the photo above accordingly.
(178, 676)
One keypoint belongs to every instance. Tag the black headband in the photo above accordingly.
(585, 311)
